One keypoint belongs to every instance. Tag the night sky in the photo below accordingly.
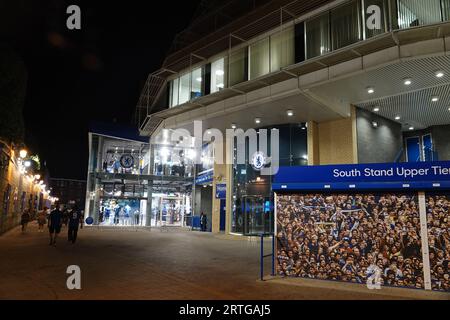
(95, 74)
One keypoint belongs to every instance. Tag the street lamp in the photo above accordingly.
(23, 153)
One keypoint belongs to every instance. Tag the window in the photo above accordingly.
(345, 25)
(259, 53)
(413, 13)
(369, 31)
(238, 67)
(185, 89)
(196, 80)
(218, 75)
(174, 92)
(445, 4)
(318, 36)
(6, 199)
(282, 49)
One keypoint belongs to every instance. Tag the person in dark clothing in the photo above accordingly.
(25, 219)
(203, 222)
(54, 224)
(74, 222)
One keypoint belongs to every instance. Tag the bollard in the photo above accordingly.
(273, 255)
(262, 257)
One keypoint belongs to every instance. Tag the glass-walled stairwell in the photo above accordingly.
(329, 30)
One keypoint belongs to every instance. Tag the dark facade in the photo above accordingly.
(69, 191)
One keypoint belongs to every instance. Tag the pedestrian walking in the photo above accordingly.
(203, 222)
(74, 222)
(54, 224)
(25, 219)
(42, 219)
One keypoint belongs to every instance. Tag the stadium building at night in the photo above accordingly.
(359, 91)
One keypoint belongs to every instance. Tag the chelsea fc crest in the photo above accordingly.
(259, 160)
(127, 161)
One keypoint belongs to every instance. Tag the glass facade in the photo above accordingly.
(238, 67)
(253, 199)
(331, 30)
(218, 75)
(259, 56)
(414, 13)
(369, 30)
(345, 25)
(282, 49)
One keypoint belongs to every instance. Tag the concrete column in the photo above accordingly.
(148, 220)
(337, 141)
(228, 169)
(424, 238)
(313, 144)
(219, 178)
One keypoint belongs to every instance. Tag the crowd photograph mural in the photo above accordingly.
(439, 240)
(349, 237)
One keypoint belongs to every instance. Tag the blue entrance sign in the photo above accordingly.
(204, 178)
(419, 175)
(221, 191)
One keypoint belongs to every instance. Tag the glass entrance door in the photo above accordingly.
(258, 215)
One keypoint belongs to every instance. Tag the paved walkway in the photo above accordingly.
(127, 264)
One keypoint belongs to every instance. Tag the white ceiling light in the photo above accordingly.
(411, 128)
(376, 109)
(257, 120)
(439, 74)
(374, 124)
(290, 113)
(233, 126)
(407, 81)
(370, 90)
(398, 118)
(435, 99)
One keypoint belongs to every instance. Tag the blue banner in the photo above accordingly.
(205, 178)
(418, 175)
(221, 191)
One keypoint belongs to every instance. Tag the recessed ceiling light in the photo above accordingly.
(374, 124)
(435, 99)
(233, 126)
(439, 74)
(290, 113)
(407, 82)
(257, 120)
(398, 118)
(376, 109)
(411, 128)
(370, 90)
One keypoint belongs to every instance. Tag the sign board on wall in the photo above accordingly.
(204, 178)
(419, 175)
(221, 191)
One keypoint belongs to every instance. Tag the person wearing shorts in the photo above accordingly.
(54, 224)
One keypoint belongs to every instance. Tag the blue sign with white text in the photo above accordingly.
(221, 191)
(204, 178)
(418, 175)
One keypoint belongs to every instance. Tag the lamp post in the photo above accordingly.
(23, 153)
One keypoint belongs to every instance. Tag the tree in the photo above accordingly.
(13, 81)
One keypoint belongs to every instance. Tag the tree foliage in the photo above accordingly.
(13, 80)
